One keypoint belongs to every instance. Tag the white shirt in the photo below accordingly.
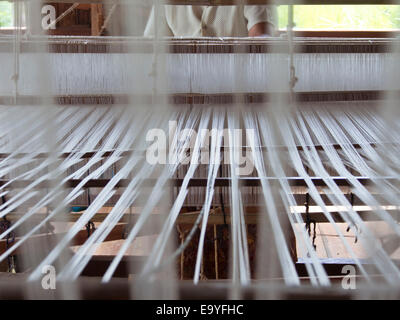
(209, 21)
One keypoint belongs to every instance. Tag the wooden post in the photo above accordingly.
(97, 18)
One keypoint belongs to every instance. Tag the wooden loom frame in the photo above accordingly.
(91, 288)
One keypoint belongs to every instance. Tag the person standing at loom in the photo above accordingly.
(215, 21)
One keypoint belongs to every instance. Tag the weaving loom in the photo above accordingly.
(280, 133)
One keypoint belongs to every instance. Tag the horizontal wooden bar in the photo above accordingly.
(16, 287)
(189, 99)
(356, 34)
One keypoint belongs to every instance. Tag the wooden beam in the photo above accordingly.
(84, 6)
(187, 99)
(373, 34)
(16, 286)
(97, 18)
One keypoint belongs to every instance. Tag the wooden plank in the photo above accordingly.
(77, 30)
(84, 6)
(373, 34)
(185, 100)
(15, 287)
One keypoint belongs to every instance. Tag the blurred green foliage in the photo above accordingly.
(5, 14)
(356, 17)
